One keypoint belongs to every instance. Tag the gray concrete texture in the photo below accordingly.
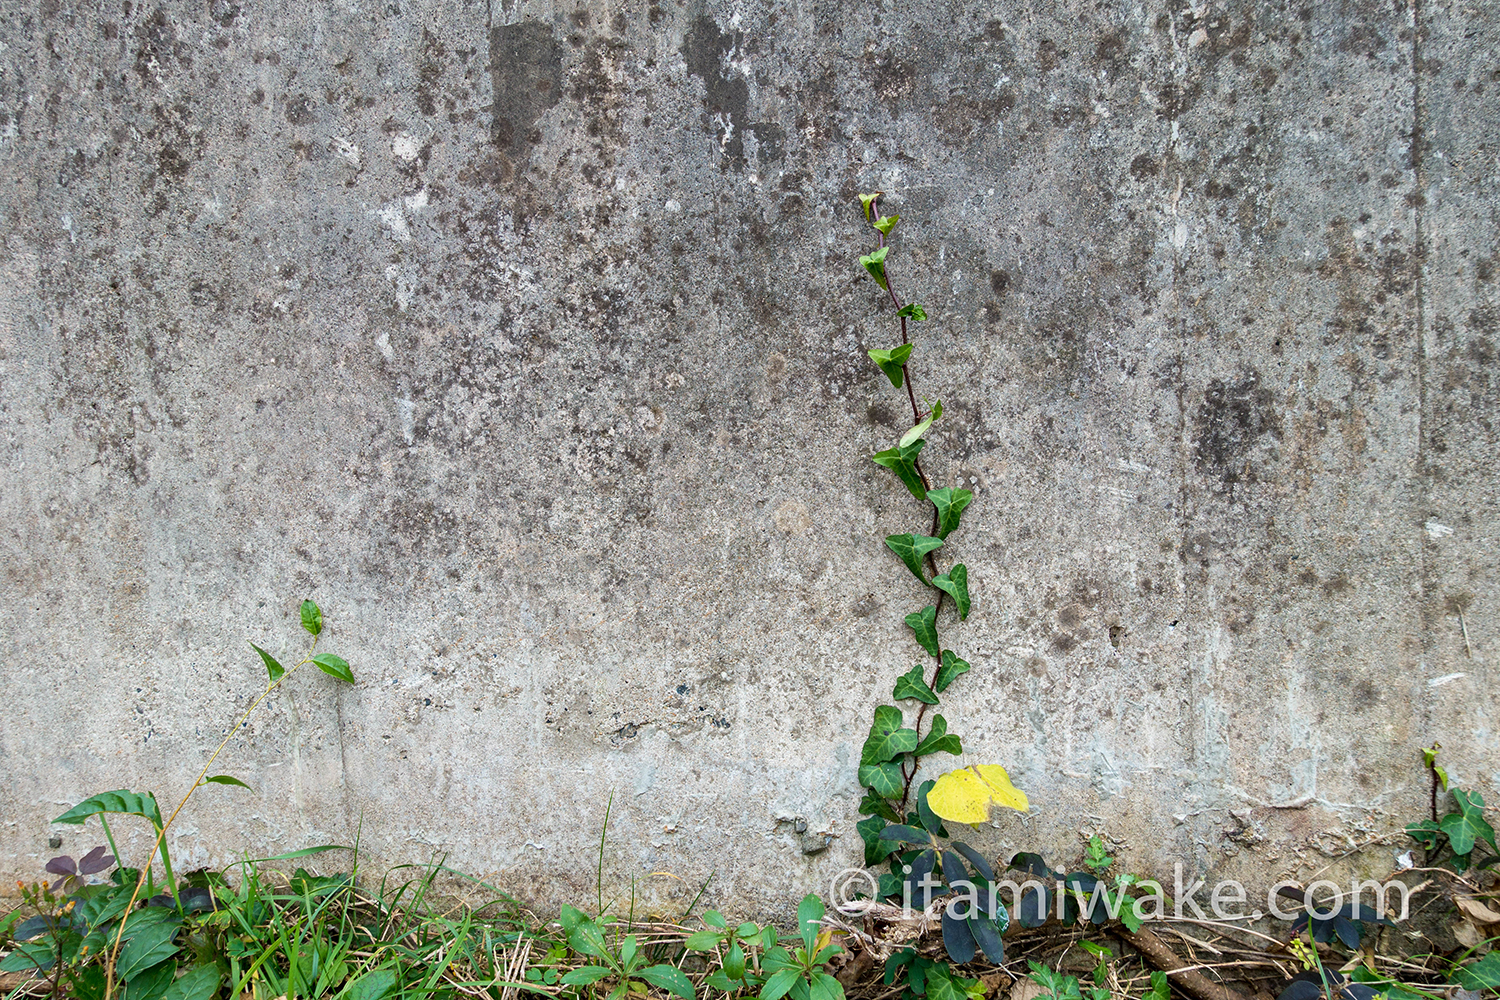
(527, 339)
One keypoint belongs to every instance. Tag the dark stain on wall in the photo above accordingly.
(526, 74)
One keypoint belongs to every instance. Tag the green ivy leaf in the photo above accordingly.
(883, 779)
(903, 462)
(939, 740)
(916, 431)
(875, 805)
(312, 618)
(955, 583)
(875, 264)
(912, 549)
(891, 361)
(912, 311)
(225, 779)
(950, 504)
(949, 670)
(1482, 975)
(868, 200)
(334, 666)
(911, 685)
(119, 801)
(1468, 824)
(273, 669)
(876, 850)
(887, 738)
(886, 223)
(923, 623)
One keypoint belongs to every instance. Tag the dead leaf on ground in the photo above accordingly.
(1470, 907)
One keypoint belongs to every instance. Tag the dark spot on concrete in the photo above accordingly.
(159, 48)
(704, 49)
(1117, 634)
(526, 76)
(223, 12)
(1144, 166)
(1231, 422)
(1337, 584)
(1070, 616)
(865, 606)
(299, 109)
(1064, 642)
(257, 96)
(1000, 284)
(770, 141)
(1047, 56)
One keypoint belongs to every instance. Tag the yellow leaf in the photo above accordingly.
(966, 795)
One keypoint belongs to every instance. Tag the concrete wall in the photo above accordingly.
(527, 340)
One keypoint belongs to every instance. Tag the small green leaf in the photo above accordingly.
(939, 740)
(912, 685)
(200, 982)
(912, 549)
(1482, 975)
(152, 983)
(876, 850)
(949, 671)
(891, 361)
(924, 624)
(312, 618)
(950, 504)
(886, 223)
(224, 779)
(714, 918)
(887, 738)
(585, 976)
(825, 987)
(809, 912)
(119, 801)
(1468, 824)
(955, 583)
(882, 779)
(702, 941)
(669, 978)
(912, 311)
(868, 200)
(273, 669)
(372, 985)
(916, 431)
(877, 805)
(780, 984)
(875, 264)
(903, 462)
(334, 666)
(146, 948)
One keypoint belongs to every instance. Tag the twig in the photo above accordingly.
(1188, 977)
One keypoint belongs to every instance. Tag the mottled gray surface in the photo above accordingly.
(528, 341)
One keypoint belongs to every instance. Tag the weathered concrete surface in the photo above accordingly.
(528, 341)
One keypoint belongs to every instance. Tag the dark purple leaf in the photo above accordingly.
(63, 866)
(958, 939)
(954, 871)
(987, 935)
(976, 859)
(95, 861)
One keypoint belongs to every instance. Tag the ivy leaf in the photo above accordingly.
(950, 669)
(334, 666)
(950, 503)
(312, 618)
(955, 583)
(916, 431)
(876, 850)
(876, 805)
(912, 548)
(225, 779)
(886, 223)
(891, 361)
(966, 795)
(923, 623)
(939, 740)
(887, 739)
(1482, 975)
(912, 311)
(1468, 824)
(903, 462)
(875, 264)
(868, 200)
(274, 669)
(883, 779)
(911, 685)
